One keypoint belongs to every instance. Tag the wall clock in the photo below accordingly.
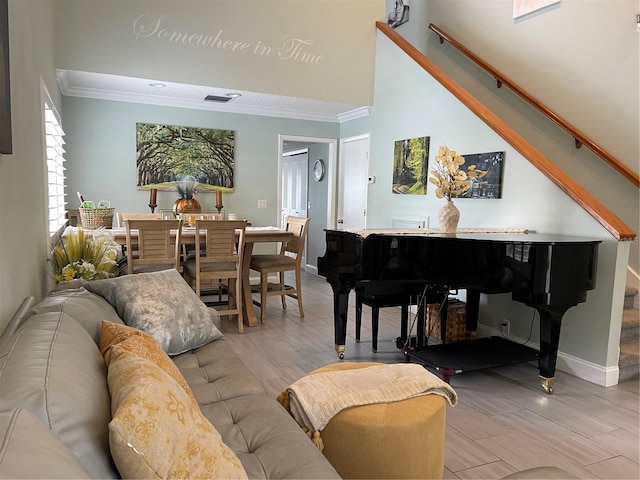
(318, 170)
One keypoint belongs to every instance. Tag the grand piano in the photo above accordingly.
(550, 273)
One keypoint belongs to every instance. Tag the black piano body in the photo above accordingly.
(550, 273)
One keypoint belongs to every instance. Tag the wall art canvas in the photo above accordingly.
(410, 162)
(167, 154)
(397, 12)
(489, 186)
(5, 90)
(525, 7)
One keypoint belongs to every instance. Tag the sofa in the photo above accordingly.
(69, 409)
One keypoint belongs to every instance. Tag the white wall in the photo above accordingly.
(327, 46)
(580, 58)
(23, 236)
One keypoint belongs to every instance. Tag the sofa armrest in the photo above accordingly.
(22, 314)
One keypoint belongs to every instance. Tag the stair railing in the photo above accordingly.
(609, 220)
(578, 137)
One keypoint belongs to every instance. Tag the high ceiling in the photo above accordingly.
(158, 92)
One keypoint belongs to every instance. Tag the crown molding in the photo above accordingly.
(102, 94)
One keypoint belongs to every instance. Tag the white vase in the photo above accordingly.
(449, 215)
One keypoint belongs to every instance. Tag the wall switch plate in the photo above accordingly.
(262, 204)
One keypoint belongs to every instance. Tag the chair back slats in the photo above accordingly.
(123, 217)
(221, 240)
(295, 245)
(156, 243)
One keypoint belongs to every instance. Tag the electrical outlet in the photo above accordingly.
(505, 326)
(262, 204)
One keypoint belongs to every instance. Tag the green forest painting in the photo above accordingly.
(410, 161)
(167, 154)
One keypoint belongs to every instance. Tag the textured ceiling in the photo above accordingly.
(138, 90)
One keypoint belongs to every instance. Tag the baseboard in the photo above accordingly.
(578, 367)
(311, 269)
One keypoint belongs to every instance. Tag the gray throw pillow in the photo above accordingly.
(163, 305)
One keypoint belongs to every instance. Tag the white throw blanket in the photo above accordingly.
(315, 399)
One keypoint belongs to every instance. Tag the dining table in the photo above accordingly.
(252, 236)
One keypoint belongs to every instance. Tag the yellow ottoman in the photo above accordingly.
(402, 439)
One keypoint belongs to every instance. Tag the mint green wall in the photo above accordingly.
(318, 200)
(101, 154)
(23, 236)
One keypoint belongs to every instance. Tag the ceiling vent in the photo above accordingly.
(216, 98)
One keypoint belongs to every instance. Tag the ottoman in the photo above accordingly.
(402, 439)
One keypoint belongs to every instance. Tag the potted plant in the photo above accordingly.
(85, 256)
(451, 182)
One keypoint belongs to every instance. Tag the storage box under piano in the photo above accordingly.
(456, 321)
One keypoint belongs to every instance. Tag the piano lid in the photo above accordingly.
(490, 235)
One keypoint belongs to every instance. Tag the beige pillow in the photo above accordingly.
(156, 430)
(142, 344)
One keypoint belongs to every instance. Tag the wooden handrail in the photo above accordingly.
(578, 194)
(578, 137)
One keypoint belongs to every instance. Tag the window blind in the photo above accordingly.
(55, 170)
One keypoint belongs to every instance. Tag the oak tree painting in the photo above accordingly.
(410, 161)
(167, 154)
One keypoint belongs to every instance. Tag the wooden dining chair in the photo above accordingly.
(155, 247)
(122, 217)
(289, 259)
(219, 259)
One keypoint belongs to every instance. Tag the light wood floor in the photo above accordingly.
(503, 422)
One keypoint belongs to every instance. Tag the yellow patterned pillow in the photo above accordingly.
(156, 430)
(142, 344)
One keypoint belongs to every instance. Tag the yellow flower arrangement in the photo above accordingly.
(84, 255)
(447, 176)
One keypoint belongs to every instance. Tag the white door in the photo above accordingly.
(353, 183)
(294, 184)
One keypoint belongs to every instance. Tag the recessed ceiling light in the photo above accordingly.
(233, 95)
(157, 85)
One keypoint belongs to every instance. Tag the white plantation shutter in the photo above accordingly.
(55, 170)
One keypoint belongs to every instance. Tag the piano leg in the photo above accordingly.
(340, 306)
(550, 322)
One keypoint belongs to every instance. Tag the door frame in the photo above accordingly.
(331, 174)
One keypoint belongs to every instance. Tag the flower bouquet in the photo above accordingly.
(447, 176)
(88, 256)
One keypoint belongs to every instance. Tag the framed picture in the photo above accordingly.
(489, 186)
(6, 143)
(410, 162)
(165, 155)
(397, 12)
(525, 7)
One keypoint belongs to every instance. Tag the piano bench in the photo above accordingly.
(402, 439)
(377, 302)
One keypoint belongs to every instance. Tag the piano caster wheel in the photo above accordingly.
(547, 384)
(340, 350)
(405, 352)
(341, 355)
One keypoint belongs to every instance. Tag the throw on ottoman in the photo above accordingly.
(398, 439)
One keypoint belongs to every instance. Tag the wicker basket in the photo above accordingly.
(93, 218)
(456, 321)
